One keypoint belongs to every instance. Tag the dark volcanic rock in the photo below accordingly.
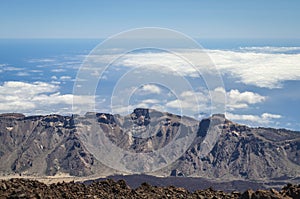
(189, 183)
(21, 188)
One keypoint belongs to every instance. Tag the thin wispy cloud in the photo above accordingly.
(58, 70)
(65, 78)
(6, 67)
(22, 74)
(270, 49)
(42, 60)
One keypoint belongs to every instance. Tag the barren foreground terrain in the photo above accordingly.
(24, 188)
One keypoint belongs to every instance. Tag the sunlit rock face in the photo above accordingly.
(49, 145)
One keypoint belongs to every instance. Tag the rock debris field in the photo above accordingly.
(24, 188)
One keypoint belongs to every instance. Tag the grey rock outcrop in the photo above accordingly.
(48, 145)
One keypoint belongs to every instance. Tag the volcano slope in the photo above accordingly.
(53, 144)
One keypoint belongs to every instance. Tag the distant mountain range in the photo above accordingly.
(53, 144)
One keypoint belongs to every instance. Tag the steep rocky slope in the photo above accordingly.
(49, 145)
(244, 153)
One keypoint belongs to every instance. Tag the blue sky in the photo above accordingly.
(197, 18)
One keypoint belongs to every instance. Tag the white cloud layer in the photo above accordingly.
(259, 69)
(151, 89)
(45, 98)
(190, 103)
(237, 100)
(37, 98)
(265, 67)
(263, 119)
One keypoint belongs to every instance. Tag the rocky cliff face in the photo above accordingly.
(244, 153)
(48, 145)
(42, 145)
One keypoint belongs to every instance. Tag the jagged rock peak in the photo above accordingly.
(12, 115)
(221, 115)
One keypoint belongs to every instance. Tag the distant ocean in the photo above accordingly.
(56, 61)
(43, 56)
